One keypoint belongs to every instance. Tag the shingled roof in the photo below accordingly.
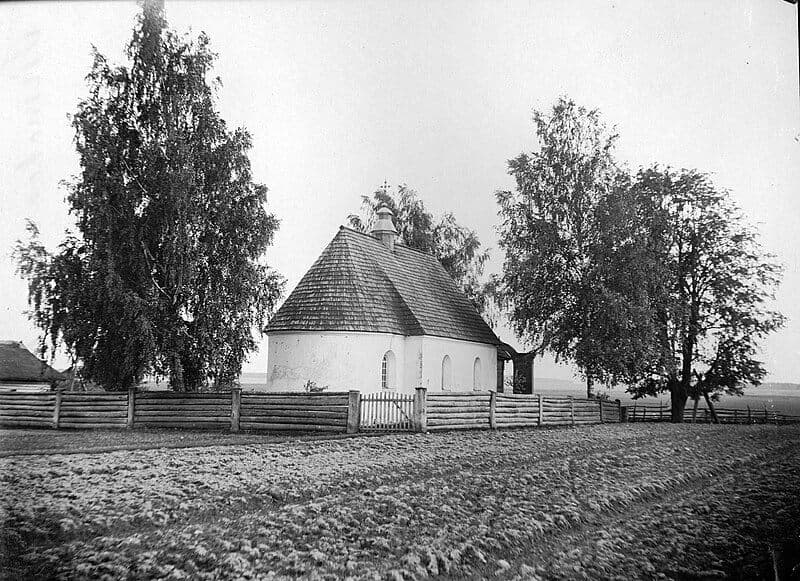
(20, 365)
(358, 284)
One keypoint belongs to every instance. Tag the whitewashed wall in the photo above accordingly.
(462, 357)
(414, 365)
(340, 360)
(351, 360)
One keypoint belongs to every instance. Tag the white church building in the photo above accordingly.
(372, 314)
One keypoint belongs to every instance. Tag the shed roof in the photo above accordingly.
(19, 364)
(358, 284)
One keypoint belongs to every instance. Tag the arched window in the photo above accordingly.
(447, 373)
(476, 373)
(388, 373)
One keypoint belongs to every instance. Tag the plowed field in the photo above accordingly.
(633, 501)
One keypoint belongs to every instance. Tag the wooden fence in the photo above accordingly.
(458, 411)
(662, 413)
(164, 409)
(28, 410)
(516, 411)
(102, 410)
(337, 412)
(328, 412)
(306, 412)
(483, 409)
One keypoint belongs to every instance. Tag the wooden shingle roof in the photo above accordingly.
(358, 284)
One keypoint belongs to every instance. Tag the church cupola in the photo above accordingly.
(384, 229)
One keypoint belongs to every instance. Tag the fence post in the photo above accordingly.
(236, 407)
(735, 416)
(660, 411)
(353, 412)
(492, 410)
(572, 410)
(748, 416)
(633, 416)
(541, 409)
(419, 410)
(600, 403)
(57, 409)
(131, 407)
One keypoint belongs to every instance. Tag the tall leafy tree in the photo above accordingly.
(457, 247)
(561, 280)
(716, 288)
(165, 274)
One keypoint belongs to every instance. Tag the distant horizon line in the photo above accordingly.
(576, 382)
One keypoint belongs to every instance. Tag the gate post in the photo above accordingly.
(236, 406)
(353, 412)
(131, 407)
(572, 411)
(541, 412)
(492, 410)
(57, 409)
(420, 413)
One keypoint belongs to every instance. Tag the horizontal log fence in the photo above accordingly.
(491, 410)
(29, 410)
(453, 411)
(338, 412)
(306, 412)
(102, 410)
(324, 412)
(748, 415)
(160, 409)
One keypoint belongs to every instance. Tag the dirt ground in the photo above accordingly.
(45, 441)
(636, 501)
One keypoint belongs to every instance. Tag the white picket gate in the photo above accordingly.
(387, 412)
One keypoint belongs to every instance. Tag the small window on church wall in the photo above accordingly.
(388, 371)
(476, 374)
(447, 373)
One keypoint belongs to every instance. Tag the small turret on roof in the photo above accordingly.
(384, 229)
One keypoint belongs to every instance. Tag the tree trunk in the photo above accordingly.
(176, 373)
(710, 405)
(694, 408)
(193, 378)
(678, 396)
(589, 386)
(523, 373)
(73, 369)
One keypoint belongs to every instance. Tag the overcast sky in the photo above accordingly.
(340, 96)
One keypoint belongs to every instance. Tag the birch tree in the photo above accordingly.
(559, 280)
(165, 274)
